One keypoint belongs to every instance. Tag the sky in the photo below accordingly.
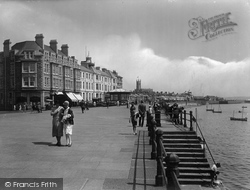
(150, 40)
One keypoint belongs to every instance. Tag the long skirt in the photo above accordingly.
(57, 129)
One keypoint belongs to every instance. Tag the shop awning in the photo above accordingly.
(59, 93)
(78, 96)
(72, 97)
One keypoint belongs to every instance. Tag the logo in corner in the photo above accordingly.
(211, 28)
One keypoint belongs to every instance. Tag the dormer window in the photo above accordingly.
(28, 54)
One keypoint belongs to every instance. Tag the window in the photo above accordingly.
(25, 67)
(60, 70)
(25, 81)
(32, 67)
(29, 67)
(32, 81)
(83, 85)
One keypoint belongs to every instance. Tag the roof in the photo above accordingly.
(26, 45)
(85, 69)
(47, 48)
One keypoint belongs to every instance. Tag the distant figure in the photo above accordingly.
(68, 122)
(107, 103)
(142, 111)
(82, 105)
(133, 117)
(57, 126)
(118, 103)
(150, 110)
(94, 104)
(87, 105)
(39, 107)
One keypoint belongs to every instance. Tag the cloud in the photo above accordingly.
(201, 75)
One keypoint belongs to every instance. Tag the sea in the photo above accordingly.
(229, 142)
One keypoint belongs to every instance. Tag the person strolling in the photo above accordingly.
(68, 122)
(57, 126)
(142, 111)
(133, 117)
(82, 106)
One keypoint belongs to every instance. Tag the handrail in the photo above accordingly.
(198, 126)
(164, 174)
(204, 140)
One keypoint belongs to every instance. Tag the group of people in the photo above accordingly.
(174, 112)
(84, 105)
(134, 115)
(62, 122)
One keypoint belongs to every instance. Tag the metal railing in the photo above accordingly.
(168, 175)
(165, 175)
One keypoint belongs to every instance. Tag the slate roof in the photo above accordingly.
(26, 45)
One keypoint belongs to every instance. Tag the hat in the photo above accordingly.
(65, 103)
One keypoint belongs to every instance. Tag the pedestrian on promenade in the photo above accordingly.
(57, 126)
(107, 104)
(142, 111)
(82, 105)
(133, 117)
(68, 122)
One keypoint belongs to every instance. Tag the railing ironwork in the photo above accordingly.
(169, 175)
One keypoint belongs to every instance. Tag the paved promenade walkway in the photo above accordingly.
(105, 154)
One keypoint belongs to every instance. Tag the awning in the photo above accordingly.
(78, 96)
(59, 93)
(71, 96)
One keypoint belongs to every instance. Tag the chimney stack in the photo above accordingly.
(53, 45)
(6, 48)
(39, 40)
(65, 49)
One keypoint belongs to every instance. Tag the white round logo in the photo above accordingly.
(7, 184)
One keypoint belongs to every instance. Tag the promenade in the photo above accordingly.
(102, 155)
(105, 154)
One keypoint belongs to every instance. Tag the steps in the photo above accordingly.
(194, 168)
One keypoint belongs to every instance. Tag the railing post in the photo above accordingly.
(181, 118)
(150, 128)
(172, 161)
(148, 122)
(191, 121)
(153, 136)
(158, 118)
(185, 119)
(159, 176)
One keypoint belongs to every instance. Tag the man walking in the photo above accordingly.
(142, 111)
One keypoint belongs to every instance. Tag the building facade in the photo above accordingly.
(32, 72)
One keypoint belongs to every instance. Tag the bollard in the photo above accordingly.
(158, 118)
(172, 162)
(191, 121)
(153, 141)
(159, 176)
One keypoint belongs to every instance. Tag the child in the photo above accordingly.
(134, 121)
(68, 122)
